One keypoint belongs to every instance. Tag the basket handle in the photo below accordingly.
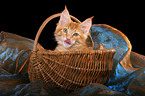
(44, 24)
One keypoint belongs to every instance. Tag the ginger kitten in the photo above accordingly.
(71, 36)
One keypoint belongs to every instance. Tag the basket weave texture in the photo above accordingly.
(69, 70)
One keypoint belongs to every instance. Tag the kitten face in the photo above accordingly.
(69, 33)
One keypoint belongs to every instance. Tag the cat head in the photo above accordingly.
(69, 33)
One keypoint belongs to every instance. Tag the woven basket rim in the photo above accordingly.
(51, 52)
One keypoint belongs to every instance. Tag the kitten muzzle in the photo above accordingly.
(68, 41)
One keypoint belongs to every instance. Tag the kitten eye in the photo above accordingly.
(65, 30)
(75, 34)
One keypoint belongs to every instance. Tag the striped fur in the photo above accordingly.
(71, 36)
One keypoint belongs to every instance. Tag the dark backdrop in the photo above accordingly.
(24, 18)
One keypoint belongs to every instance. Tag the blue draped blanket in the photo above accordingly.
(127, 76)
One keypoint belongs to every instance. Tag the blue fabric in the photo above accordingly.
(106, 36)
(120, 79)
(120, 83)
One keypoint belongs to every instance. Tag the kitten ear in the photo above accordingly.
(64, 18)
(86, 25)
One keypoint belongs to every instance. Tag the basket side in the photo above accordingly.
(71, 70)
(33, 69)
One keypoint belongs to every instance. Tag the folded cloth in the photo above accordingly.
(14, 53)
(127, 76)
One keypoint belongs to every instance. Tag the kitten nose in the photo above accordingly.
(68, 41)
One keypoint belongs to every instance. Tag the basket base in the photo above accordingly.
(49, 84)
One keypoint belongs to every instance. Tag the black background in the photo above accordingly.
(24, 18)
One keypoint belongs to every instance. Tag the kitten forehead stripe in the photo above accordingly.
(73, 25)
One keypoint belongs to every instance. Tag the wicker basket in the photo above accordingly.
(69, 70)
